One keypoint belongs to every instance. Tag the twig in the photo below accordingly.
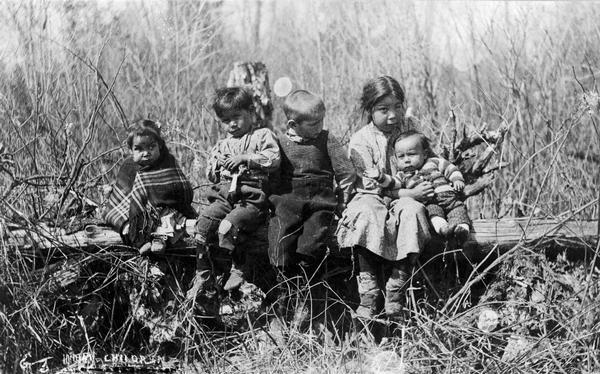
(89, 132)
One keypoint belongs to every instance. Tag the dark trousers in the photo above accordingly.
(245, 208)
(300, 227)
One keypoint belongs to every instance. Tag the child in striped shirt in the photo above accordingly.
(415, 162)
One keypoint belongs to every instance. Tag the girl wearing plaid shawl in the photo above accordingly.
(151, 196)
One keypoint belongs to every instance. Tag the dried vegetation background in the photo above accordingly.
(74, 74)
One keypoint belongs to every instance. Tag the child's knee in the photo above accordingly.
(205, 226)
(411, 206)
(228, 235)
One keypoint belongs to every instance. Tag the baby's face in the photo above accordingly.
(410, 154)
(238, 122)
(145, 150)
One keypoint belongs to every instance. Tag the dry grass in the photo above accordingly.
(69, 91)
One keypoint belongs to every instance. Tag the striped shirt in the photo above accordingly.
(439, 171)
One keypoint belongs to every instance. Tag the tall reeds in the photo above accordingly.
(74, 75)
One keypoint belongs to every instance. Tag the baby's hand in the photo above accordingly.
(372, 173)
(459, 186)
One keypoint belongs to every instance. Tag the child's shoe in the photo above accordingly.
(461, 233)
(235, 280)
(447, 231)
(441, 227)
(158, 245)
(145, 249)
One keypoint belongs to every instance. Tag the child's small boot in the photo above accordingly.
(159, 244)
(442, 227)
(368, 292)
(236, 277)
(145, 249)
(461, 233)
(394, 294)
(203, 287)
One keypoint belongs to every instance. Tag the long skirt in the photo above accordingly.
(390, 229)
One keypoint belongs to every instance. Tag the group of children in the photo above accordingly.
(296, 182)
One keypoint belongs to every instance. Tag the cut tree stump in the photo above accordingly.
(255, 77)
(487, 235)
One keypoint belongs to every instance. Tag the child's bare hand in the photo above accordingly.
(234, 161)
(373, 173)
(458, 185)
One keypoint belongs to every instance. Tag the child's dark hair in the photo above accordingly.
(232, 98)
(146, 128)
(376, 89)
(423, 139)
(302, 105)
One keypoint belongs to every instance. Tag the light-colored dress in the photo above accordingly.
(389, 228)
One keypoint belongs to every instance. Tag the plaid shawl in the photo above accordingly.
(140, 192)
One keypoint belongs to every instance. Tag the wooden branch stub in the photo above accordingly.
(478, 186)
(255, 77)
(474, 165)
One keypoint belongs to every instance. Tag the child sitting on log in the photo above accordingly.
(305, 201)
(415, 162)
(151, 198)
(240, 167)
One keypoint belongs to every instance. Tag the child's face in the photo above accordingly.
(238, 122)
(388, 114)
(145, 150)
(308, 129)
(410, 154)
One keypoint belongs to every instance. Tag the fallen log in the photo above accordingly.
(487, 235)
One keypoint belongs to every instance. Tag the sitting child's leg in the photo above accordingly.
(438, 220)
(457, 215)
(459, 218)
(203, 284)
(312, 241)
(211, 216)
(284, 228)
(244, 218)
(202, 289)
(368, 287)
(395, 287)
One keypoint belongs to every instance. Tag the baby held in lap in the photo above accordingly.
(415, 163)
